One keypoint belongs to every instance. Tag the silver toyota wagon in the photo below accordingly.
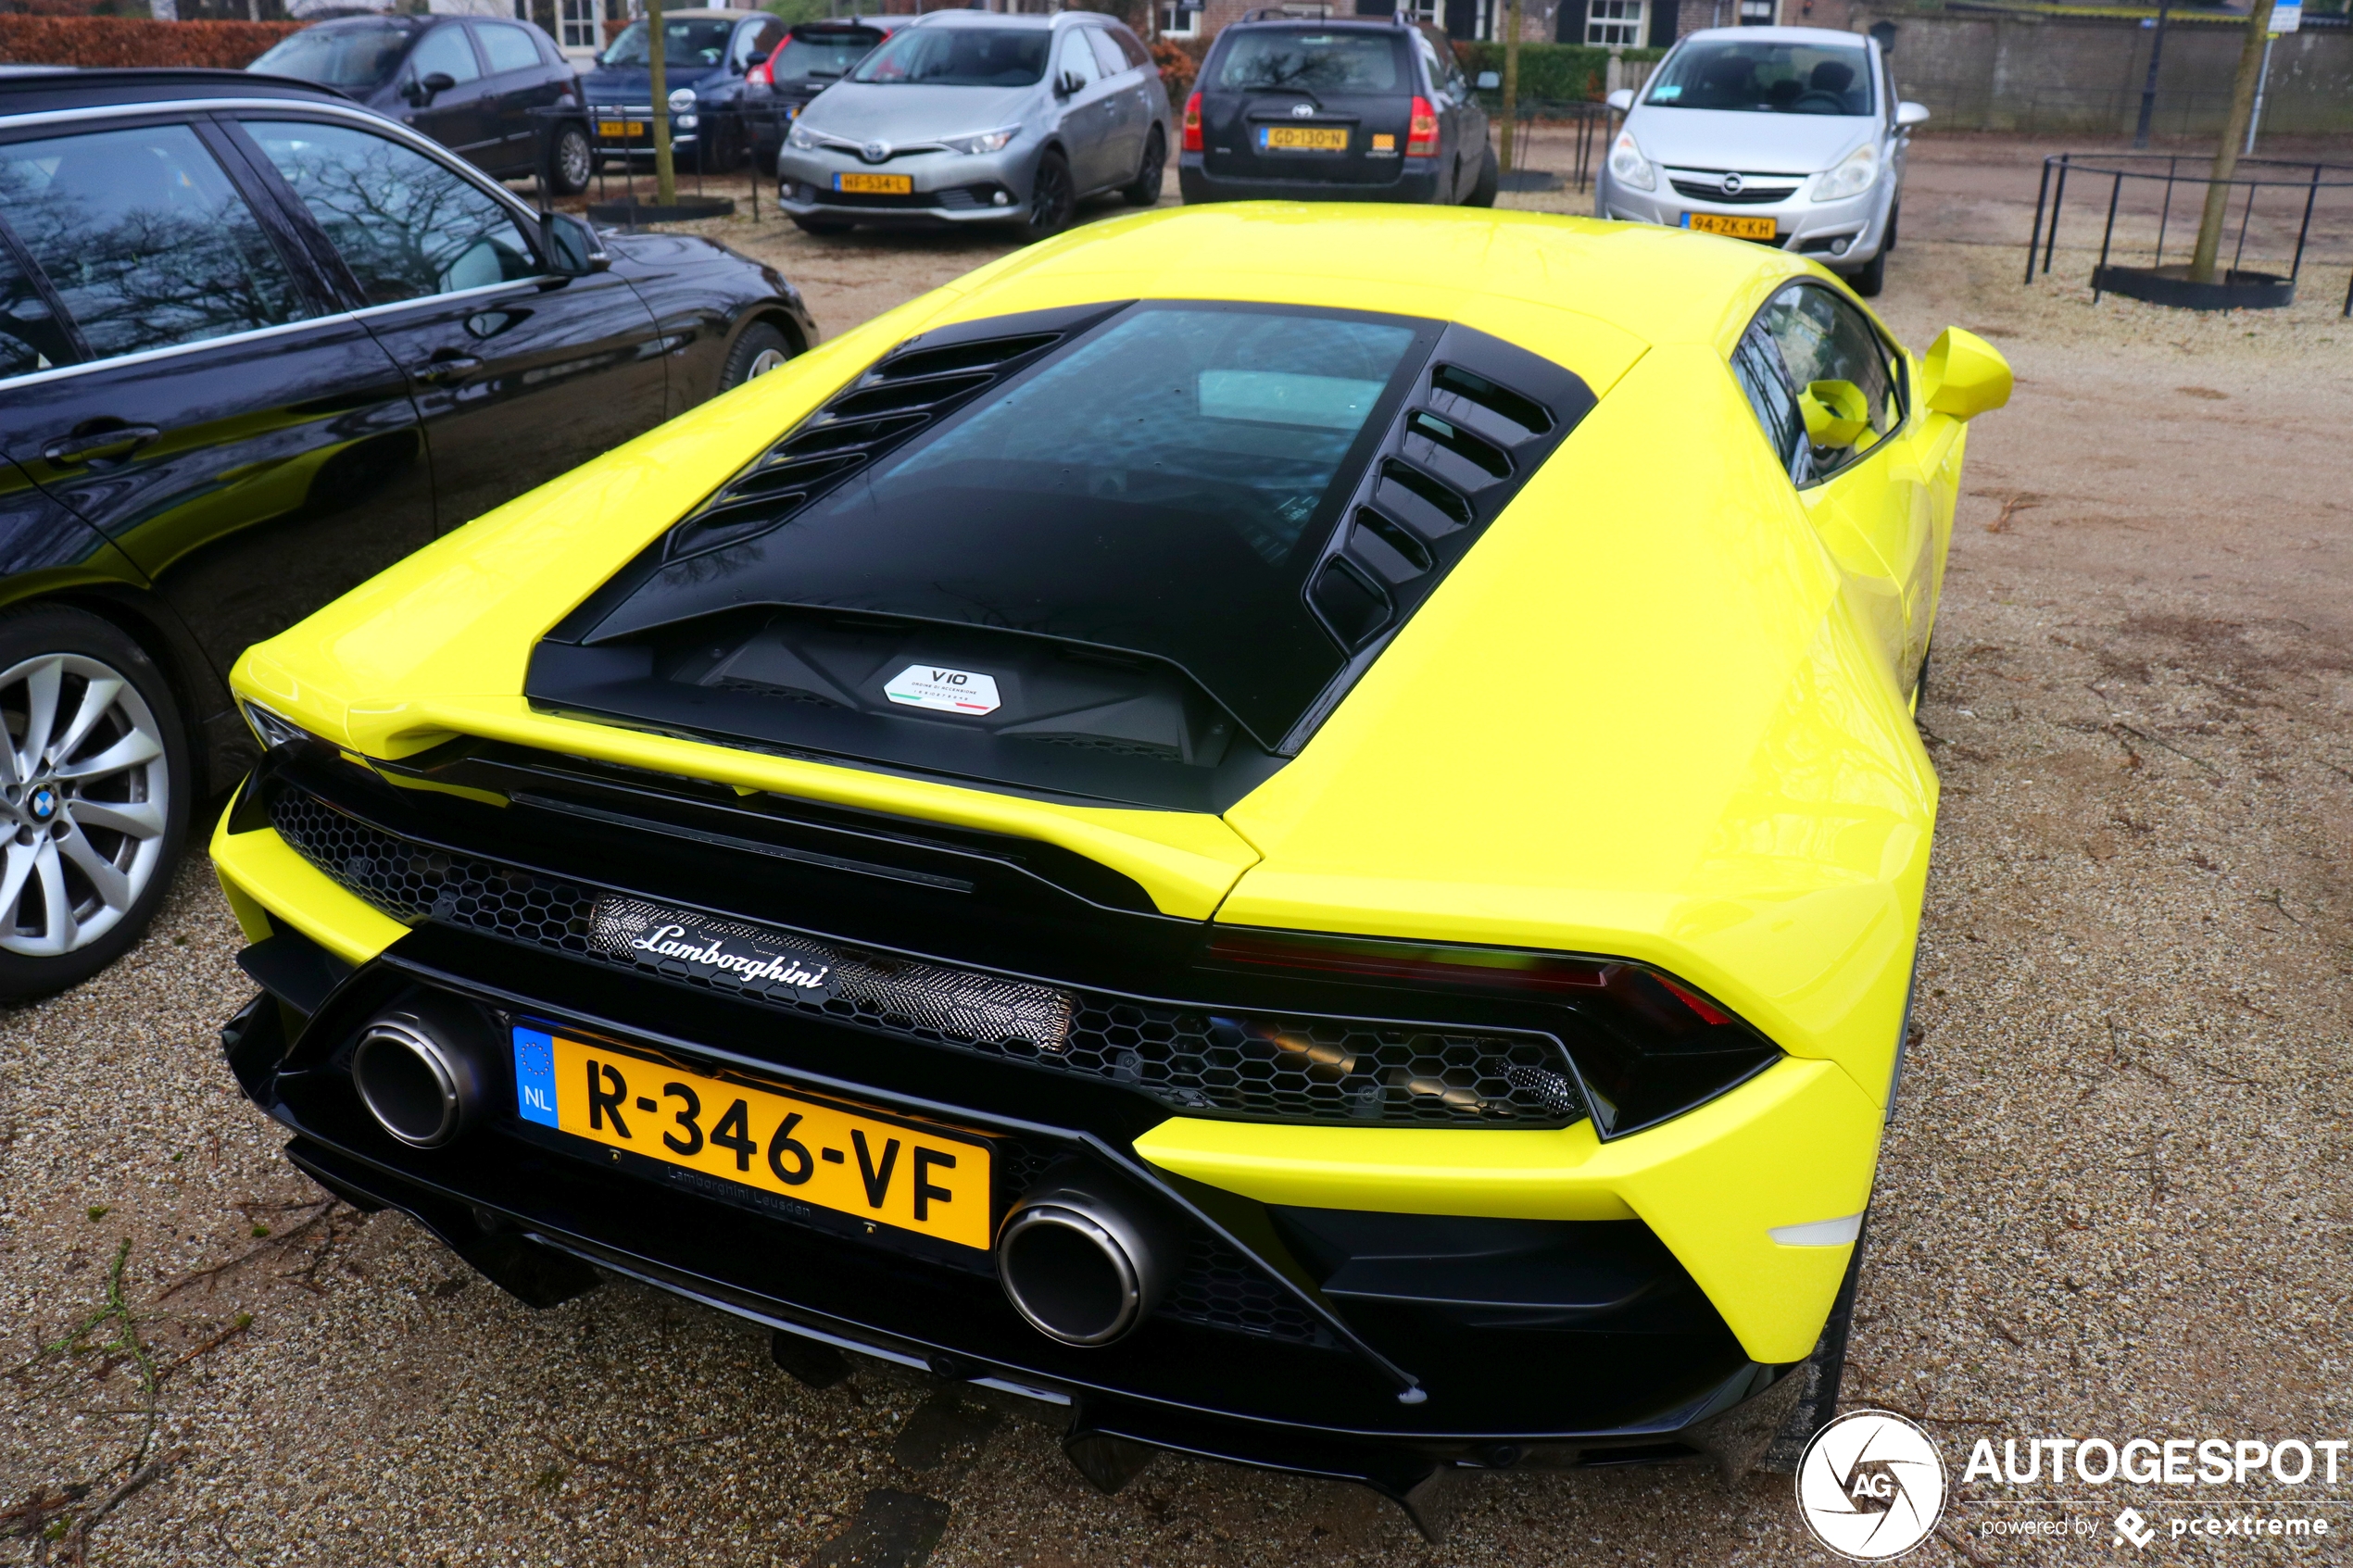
(1790, 137)
(967, 117)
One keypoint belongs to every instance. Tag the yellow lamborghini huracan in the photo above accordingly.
(1298, 829)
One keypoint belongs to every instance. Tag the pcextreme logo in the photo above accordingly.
(1871, 1485)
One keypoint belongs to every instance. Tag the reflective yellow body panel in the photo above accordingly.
(1660, 712)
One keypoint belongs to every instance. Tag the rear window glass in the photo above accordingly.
(1766, 77)
(1318, 62)
(820, 56)
(1165, 485)
(691, 43)
(961, 56)
(360, 55)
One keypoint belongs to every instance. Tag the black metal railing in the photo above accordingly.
(724, 144)
(2294, 187)
(1573, 131)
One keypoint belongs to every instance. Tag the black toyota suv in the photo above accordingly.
(1293, 111)
(256, 344)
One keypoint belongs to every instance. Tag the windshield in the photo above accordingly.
(961, 56)
(683, 44)
(822, 55)
(1318, 62)
(337, 57)
(1766, 77)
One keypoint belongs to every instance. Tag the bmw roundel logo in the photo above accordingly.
(42, 803)
(1731, 184)
(875, 152)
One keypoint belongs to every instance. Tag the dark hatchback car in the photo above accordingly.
(813, 58)
(1289, 110)
(474, 84)
(256, 344)
(705, 55)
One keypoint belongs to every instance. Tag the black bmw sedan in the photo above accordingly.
(256, 344)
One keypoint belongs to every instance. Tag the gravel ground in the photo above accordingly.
(2115, 1201)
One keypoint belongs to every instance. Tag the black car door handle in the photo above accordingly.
(443, 369)
(115, 442)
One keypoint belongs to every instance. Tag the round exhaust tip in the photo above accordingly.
(1078, 1267)
(419, 1088)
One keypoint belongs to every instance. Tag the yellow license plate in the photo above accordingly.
(1725, 224)
(875, 185)
(1305, 138)
(622, 128)
(889, 1173)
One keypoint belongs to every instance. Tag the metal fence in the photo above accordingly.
(2288, 194)
(720, 143)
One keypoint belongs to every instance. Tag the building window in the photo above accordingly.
(1756, 13)
(1180, 21)
(579, 23)
(1429, 11)
(1616, 24)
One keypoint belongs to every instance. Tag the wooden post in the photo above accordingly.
(665, 168)
(1511, 81)
(2226, 157)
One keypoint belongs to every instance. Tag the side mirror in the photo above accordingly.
(574, 248)
(1622, 100)
(1909, 115)
(759, 59)
(1836, 413)
(1489, 81)
(1066, 83)
(1964, 375)
(424, 90)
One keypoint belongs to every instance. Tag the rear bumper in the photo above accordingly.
(1417, 181)
(1261, 1359)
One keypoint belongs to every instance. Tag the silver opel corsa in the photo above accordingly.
(966, 117)
(1790, 137)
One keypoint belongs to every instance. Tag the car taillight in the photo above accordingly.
(1647, 1046)
(1421, 135)
(1192, 123)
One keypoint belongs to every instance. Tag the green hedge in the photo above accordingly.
(1549, 72)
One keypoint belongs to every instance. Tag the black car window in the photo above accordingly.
(1767, 77)
(764, 39)
(1108, 59)
(31, 336)
(683, 43)
(507, 48)
(1135, 53)
(1828, 347)
(1757, 365)
(445, 50)
(359, 56)
(405, 225)
(144, 238)
(1320, 62)
(811, 55)
(961, 56)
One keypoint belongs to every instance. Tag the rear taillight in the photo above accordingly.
(1646, 1047)
(1421, 135)
(1192, 123)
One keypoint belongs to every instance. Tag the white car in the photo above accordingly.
(1790, 137)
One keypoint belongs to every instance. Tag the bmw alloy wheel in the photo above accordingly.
(84, 799)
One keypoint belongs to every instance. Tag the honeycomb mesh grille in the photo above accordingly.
(1257, 1065)
(1220, 1288)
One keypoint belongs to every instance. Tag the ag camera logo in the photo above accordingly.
(1871, 1485)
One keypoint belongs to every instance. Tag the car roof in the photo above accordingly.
(708, 14)
(1819, 36)
(129, 87)
(1628, 283)
(846, 24)
(1009, 22)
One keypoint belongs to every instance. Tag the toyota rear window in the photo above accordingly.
(1276, 61)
